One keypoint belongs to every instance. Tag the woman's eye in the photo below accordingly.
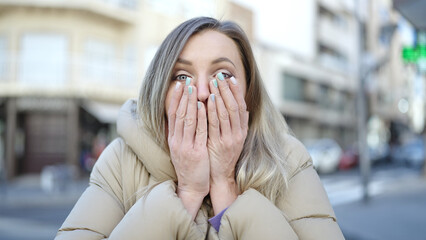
(181, 77)
(226, 75)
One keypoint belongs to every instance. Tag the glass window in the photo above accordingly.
(331, 58)
(324, 98)
(189, 8)
(100, 61)
(194, 8)
(3, 58)
(294, 88)
(171, 7)
(43, 60)
(130, 70)
(131, 4)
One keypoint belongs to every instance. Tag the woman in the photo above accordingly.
(192, 163)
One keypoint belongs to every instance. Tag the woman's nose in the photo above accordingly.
(203, 89)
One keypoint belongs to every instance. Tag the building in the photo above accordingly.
(311, 71)
(390, 81)
(67, 66)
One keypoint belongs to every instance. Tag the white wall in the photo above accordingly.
(285, 24)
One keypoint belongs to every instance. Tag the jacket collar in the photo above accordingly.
(153, 157)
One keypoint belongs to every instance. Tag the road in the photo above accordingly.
(27, 212)
(31, 222)
(397, 209)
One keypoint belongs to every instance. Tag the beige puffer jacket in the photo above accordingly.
(112, 206)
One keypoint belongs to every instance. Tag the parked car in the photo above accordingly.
(380, 153)
(411, 153)
(325, 154)
(349, 159)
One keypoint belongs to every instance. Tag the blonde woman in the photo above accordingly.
(203, 154)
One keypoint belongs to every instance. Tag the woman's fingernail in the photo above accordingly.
(212, 97)
(177, 85)
(199, 105)
(188, 81)
(215, 82)
(220, 76)
(234, 81)
(190, 89)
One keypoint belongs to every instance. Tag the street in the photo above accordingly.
(396, 210)
(26, 212)
(31, 222)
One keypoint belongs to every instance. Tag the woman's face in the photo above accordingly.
(206, 54)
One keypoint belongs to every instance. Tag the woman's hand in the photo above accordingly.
(228, 125)
(187, 138)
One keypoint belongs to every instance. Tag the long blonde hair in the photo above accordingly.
(262, 164)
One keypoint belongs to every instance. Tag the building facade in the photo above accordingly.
(390, 82)
(67, 66)
(315, 88)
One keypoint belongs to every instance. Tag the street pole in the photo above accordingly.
(362, 112)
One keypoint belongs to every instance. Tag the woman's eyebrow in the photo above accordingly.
(223, 59)
(183, 61)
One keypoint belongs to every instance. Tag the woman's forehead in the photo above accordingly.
(210, 43)
(209, 46)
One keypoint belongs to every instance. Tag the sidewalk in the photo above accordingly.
(28, 212)
(27, 191)
(397, 214)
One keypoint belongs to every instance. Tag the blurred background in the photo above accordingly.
(347, 75)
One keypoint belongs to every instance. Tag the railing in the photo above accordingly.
(74, 75)
(120, 10)
(314, 112)
(335, 36)
(332, 62)
(129, 4)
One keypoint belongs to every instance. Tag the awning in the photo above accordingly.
(412, 10)
(104, 112)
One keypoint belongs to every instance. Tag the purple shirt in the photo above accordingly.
(215, 221)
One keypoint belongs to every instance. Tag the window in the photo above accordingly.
(43, 60)
(338, 19)
(188, 8)
(100, 61)
(130, 4)
(324, 97)
(165, 6)
(129, 66)
(294, 88)
(194, 8)
(332, 58)
(3, 59)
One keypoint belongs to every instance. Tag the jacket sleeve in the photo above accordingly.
(252, 216)
(303, 213)
(100, 211)
(305, 202)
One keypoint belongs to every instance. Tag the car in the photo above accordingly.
(325, 154)
(379, 153)
(411, 153)
(349, 159)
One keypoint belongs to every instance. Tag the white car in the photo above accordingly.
(325, 153)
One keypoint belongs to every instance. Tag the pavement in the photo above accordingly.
(396, 208)
(27, 211)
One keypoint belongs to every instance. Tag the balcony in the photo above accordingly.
(335, 36)
(313, 112)
(339, 5)
(124, 11)
(115, 80)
